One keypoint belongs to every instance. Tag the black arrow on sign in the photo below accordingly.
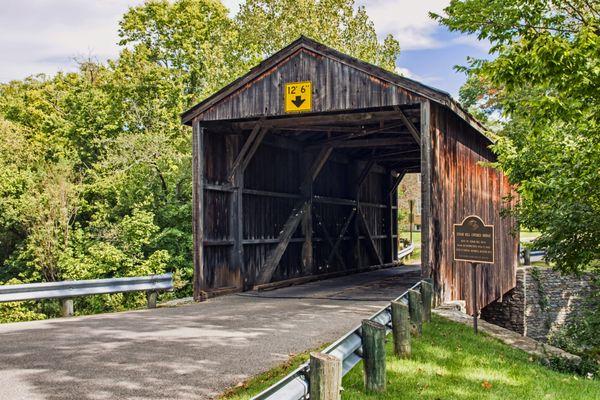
(298, 101)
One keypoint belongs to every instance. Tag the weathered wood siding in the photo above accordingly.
(238, 223)
(462, 185)
(336, 86)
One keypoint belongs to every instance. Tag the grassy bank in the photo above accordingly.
(450, 362)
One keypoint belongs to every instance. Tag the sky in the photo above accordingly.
(46, 36)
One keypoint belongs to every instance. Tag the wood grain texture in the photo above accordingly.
(367, 127)
(462, 184)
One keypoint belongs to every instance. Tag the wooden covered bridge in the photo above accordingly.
(296, 166)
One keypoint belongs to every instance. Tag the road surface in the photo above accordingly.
(188, 352)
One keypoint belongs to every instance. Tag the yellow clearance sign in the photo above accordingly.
(298, 97)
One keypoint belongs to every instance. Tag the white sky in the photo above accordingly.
(46, 35)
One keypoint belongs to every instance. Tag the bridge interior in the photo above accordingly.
(300, 195)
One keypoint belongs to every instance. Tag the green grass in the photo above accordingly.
(257, 384)
(450, 362)
(415, 257)
(528, 235)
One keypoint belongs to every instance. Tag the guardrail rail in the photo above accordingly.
(348, 348)
(66, 290)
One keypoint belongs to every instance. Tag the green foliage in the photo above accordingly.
(266, 26)
(544, 79)
(95, 166)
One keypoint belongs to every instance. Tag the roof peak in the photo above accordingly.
(305, 42)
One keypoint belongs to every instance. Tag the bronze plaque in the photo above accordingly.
(474, 241)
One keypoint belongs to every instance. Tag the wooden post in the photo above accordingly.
(527, 256)
(236, 214)
(426, 173)
(198, 207)
(415, 307)
(66, 307)
(325, 377)
(426, 296)
(307, 220)
(401, 329)
(474, 295)
(373, 348)
(389, 221)
(151, 297)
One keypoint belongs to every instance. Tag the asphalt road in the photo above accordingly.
(188, 352)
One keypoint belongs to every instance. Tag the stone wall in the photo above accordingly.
(543, 301)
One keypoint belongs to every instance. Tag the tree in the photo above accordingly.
(266, 26)
(545, 77)
(95, 166)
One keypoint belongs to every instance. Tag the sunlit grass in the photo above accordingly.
(255, 385)
(450, 362)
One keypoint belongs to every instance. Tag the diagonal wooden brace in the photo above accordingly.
(370, 241)
(327, 236)
(252, 142)
(266, 272)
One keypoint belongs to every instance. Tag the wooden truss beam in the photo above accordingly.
(308, 120)
(370, 242)
(363, 175)
(358, 134)
(274, 257)
(398, 155)
(341, 235)
(248, 149)
(267, 270)
(327, 236)
(384, 142)
(397, 181)
(411, 127)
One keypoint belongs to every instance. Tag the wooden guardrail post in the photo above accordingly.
(527, 256)
(415, 307)
(373, 348)
(66, 307)
(401, 329)
(426, 296)
(325, 377)
(151, 297)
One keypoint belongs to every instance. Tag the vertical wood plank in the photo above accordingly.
(198, 206)
(307, 219)
(426, 225)
(236, 215)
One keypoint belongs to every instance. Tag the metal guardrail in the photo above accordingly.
(348, 348)
(69, 289)
(534, 255)
(406, 251)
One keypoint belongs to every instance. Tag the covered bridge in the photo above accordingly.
(296, 166)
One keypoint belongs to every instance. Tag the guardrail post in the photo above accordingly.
(527, 256)
(151, 297)
(426, 296)
(325, 377)
(66, 307)
(415, 307)
(373, 347)
(401, 329)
